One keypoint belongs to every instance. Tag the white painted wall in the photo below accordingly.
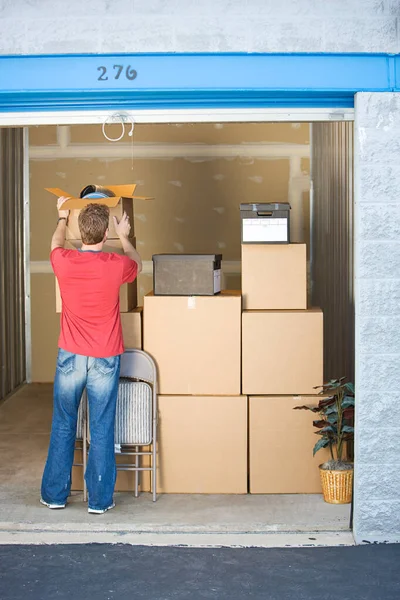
(96, 26)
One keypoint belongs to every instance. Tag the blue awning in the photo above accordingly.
(159, 81)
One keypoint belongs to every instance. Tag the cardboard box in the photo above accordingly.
(132, 328)
(281, 442)
(128, 291)
(118, 204)
(202, 445)
(195, 342)
(274, 276)
(282, 352)
(202, 448)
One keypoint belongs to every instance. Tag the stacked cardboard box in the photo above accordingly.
(282, 358)
(196, 343)
(281, 442)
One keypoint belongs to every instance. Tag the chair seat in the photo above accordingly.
(134, 416)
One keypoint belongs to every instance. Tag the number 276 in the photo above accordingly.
(130, 73)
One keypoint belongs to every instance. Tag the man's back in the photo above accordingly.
(89, 284)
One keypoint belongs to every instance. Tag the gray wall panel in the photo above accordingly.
(332, 243)
(12, 296)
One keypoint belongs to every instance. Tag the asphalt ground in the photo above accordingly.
(122, 572)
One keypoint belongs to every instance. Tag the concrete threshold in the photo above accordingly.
(20, 534)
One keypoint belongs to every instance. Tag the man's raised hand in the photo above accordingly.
(123, 228)
(62, 213)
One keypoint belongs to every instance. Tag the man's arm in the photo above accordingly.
(58, 239)
(123, 229)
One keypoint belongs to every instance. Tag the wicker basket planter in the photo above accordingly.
(337, 486)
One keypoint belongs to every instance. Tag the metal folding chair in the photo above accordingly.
(81, 441)
(136, 417)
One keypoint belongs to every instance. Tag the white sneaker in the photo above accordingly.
(100, 511)
(53, 506)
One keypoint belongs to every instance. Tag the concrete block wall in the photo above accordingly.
(377, 268)
(97, 26)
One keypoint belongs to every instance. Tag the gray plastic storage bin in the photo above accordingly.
(187, 274)
(265, 223)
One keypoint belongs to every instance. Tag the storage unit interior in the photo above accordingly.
(198, 174)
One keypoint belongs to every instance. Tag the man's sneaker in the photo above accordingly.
(50, 505)
(100, 511)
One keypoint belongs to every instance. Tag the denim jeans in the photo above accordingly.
(100, 377)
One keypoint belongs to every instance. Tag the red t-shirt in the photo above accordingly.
(89, 284)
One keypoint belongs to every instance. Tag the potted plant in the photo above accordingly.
(336, 432)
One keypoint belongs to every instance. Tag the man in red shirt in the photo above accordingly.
(90, 346)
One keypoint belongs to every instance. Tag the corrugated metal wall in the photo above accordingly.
(12, 296)
(332, 242)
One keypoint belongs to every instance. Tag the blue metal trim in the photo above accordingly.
(71, 82)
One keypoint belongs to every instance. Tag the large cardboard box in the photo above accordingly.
(282, 352)
(202, 445)
(202, 448)
(132, 328)
(121, 202)
(128, 292)
(274, 276)
(195, 342)
(281, 442)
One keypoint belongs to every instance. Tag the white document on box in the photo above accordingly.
(265, 230)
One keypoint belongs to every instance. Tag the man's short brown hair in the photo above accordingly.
(93, 223)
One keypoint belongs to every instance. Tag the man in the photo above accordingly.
(90, 346)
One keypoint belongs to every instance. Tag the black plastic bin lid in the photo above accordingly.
(209, 257)
(265, 206)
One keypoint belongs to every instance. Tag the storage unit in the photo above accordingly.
(274, 276)
(282, 352)
(281, 442)
(267, 223)
(187, 274)
(195, 342)
(202, 445)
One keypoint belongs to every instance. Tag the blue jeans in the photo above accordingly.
(100, 377)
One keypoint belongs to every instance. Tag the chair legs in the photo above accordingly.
(85, 444)
(137, 459)
(153, 470)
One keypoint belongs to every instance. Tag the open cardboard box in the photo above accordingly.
(121, 202)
